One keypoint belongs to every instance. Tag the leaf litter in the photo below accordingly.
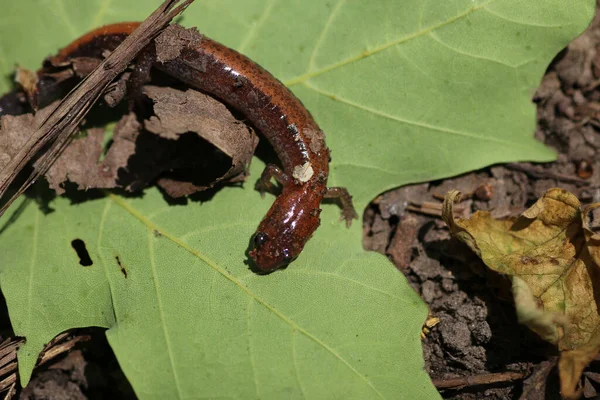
(187, 143)
(55, 132)
(449, 280)
(189, 131)
(553, 260)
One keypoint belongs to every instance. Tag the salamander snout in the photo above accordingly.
(283, 232)
(270, 254)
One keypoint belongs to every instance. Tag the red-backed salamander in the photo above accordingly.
(273, 109)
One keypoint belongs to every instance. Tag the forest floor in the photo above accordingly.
(477, 350)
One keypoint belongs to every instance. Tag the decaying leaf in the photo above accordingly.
(182, 136)
(55, 132)
(553, 259)
(179, 112)
(16, 130)
(80, 162)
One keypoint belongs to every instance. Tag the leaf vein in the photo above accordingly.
(373, 167)
(104, 267)
(255, 27)
(295, 361)
(409, 122)
(250, 348)
(104, 6)
(151, 227)
(303, 78)
(514, 21)
(162, 312)
(214, 228)
(319, 42)
(424, 4)
(344, 278)
(62, 14)
(34, 240)
(461, 52)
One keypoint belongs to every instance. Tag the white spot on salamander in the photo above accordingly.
(303, 172)
(295, 133)
(231, 71)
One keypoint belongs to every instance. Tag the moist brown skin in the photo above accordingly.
(95, 43)
(273, 109)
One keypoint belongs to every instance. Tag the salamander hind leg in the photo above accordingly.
(348, 211)
(265, 184)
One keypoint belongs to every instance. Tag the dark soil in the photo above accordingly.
(477, 334)
(90, 372)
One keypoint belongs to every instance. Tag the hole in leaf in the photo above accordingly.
(82, 253)
(121, 266)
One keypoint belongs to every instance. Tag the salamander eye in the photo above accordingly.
(260, 238)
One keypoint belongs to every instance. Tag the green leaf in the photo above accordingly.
(190, 319)
(406, 91)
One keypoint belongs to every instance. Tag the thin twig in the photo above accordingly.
(7, 369)
(12, 391)
(540, 174)
(57, 350)
(478, 380)
(435, 209)
(61, 344)
(9, 381)
(59, 127)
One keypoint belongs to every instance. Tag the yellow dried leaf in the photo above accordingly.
(552, 257)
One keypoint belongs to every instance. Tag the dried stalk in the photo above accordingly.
(61, 344)
(56, 131)
(478, 380)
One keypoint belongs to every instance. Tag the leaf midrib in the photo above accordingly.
(311, 74)
(424, 125)
(295, 327)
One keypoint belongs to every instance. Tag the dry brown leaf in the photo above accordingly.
(80, 162)
(534, 387)
(553, 259)
(15, 130)
(179, 112)
(182, 136)
(56, 131)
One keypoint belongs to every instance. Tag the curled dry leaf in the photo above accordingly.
(180, 137)
(553, 259)
(178, 112)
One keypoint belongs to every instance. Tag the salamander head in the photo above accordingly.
(269, 253)
(284, 231)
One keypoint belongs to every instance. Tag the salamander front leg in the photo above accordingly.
(348, 211)
(265, 184)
